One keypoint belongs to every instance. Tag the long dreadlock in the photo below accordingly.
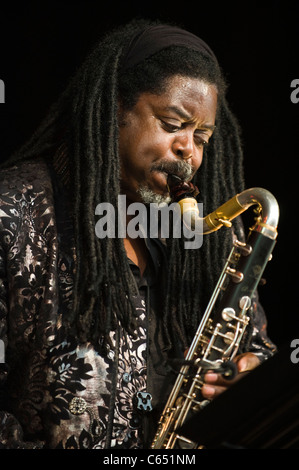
(85, 120)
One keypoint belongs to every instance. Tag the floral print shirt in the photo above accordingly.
(55, 393)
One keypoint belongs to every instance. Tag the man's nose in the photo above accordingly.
(183, 146)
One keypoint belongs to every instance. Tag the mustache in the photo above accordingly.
(179, 168)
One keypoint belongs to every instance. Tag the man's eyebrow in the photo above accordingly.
(182, 114)
(178, 111)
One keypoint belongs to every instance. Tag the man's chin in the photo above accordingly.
(148, 196)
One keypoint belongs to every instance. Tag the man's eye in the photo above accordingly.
(200, 142)
(170, 127)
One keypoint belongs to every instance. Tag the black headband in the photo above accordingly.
(155, 38)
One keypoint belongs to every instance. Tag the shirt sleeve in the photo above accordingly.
(11, 433)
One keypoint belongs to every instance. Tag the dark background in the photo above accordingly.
(42, 43)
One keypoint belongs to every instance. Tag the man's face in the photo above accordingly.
(165, 134)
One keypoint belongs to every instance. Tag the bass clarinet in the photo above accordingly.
(219, 333)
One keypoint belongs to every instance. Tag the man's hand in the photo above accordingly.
(216, 384)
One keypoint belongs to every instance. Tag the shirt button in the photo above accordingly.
(126, 377)
(77, 406)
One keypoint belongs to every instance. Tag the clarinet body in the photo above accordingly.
(219, 333)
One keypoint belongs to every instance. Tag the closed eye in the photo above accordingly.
(170, 127)
(201, 138)
(201, 142)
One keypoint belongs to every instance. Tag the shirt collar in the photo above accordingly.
(156, 251)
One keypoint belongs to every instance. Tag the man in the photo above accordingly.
(89, 323)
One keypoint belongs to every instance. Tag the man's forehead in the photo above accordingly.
(185, 97)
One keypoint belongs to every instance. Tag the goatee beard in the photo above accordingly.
(148, 196)
(179, 168)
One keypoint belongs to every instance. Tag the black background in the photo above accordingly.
(257, 45)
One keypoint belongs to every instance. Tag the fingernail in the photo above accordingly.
(243, 366)
(211, 377)
(208, 391)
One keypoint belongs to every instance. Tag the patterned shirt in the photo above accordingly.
(54, 392)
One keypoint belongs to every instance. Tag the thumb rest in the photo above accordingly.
(218, 336)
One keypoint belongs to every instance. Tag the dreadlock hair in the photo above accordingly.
(85, 119)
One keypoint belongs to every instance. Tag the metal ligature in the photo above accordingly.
(221, 329)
